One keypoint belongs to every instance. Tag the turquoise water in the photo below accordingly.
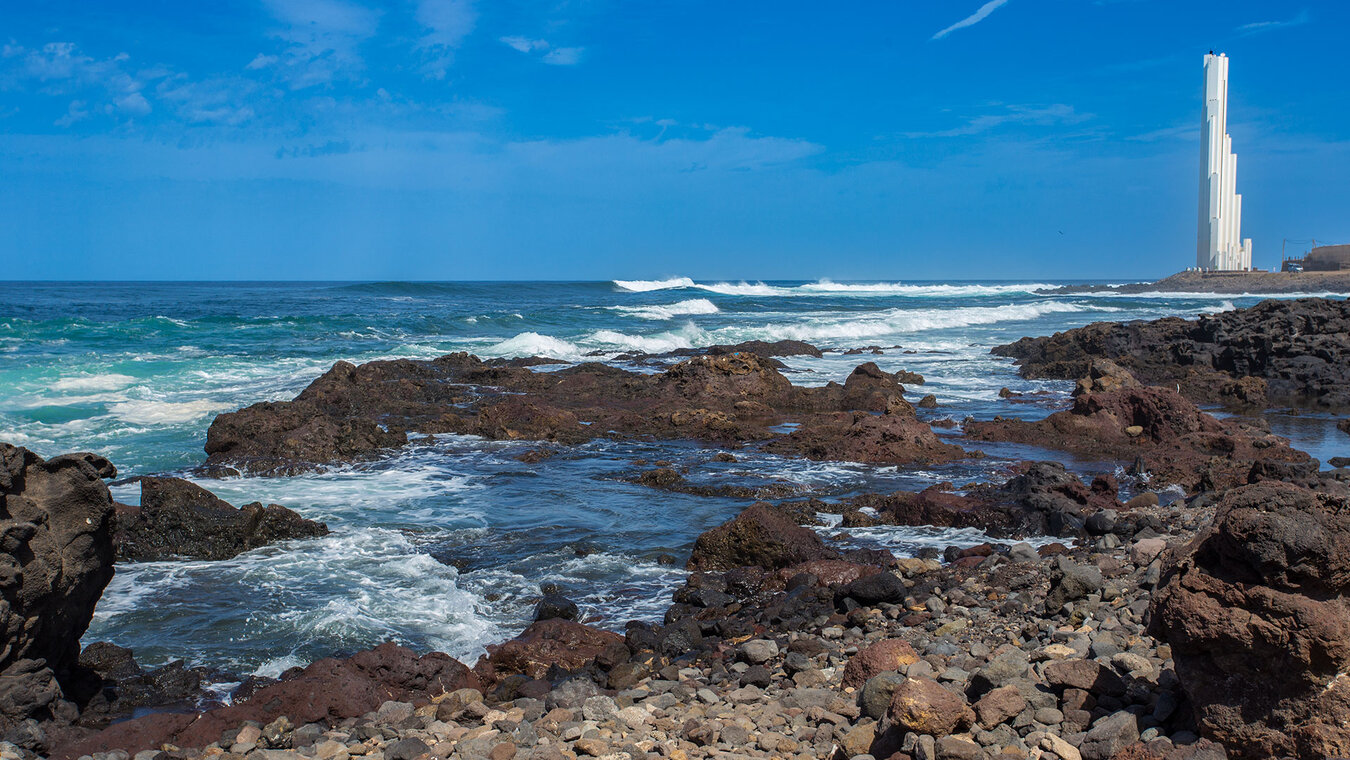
(444, 544)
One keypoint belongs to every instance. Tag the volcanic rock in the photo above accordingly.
(353, 412)
(1255, 609)
(326, 691)
(177, 518)
(551, 644)
(56, 549)
(1174, 440)
(1294, 352)
(760, 536)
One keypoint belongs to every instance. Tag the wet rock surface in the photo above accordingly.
(179, 519)
(352, 412)
(1291, 352)
(56, 549)
(1158, 431)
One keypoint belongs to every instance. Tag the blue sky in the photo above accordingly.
(465, 139)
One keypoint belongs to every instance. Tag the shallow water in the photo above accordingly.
(444, 545)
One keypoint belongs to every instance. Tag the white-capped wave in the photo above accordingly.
(745, 289)
(162, 412)
(651, 344)
(106, 382)
(534, 344)
(829, 287)
(669, 311)
(643, 286)
(895, 322)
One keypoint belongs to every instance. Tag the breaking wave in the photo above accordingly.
(691, 307)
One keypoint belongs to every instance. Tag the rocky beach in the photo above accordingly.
(1175, 587)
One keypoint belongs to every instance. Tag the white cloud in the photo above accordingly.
(1057, 113)
(261, 61)
(525, 44)
(1269, 26)
(555, 56)
(972, 19)
(63, 69)
(447, 24)
(323, 39)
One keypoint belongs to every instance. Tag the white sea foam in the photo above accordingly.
(745, 289)
(691, 307)
(534, 344)
(895, 322)
(144, 412)
(829, 287)
(643, 286)
(106, 382)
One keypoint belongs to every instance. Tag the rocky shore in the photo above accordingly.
(1230, 283)
(1108, 619)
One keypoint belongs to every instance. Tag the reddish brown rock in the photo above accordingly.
(353, 412)
(1173, 439)
(1086, 675)
(923, 706)
(830, 572)
(1255, 609)
(326, 691)
(760, 536)
(999, 705)
(551, 643)
(874, 659)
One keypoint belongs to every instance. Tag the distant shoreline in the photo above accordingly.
(1232, 283)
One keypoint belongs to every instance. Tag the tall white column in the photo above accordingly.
(1219, 244)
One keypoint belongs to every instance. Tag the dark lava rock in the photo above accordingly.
(556, 606)
(56, 557)
(1157, 427)
(1294, 352)
(875, 589)
(353, 412)
(181, 519)
(551, 645)
(1069, 582)
(327, 691)
(760, 536)
(1255, 609)
(1344, 426)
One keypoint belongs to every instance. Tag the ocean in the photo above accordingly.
(444, 544)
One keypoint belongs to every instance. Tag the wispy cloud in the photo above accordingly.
(972, 19)
(447, 24)
(1257, 27)
(1057, 113)
(546, 52)
(109, 85)
(322, 40)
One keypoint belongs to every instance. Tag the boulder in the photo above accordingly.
(760, 536)
(180, 519)
(923, 706)
(56, 555)
(877, 658)
(551, 645)
(1255, 609)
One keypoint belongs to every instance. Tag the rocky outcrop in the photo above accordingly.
(1257, 611)
(325, 692)
(1043, 499)
(549, 648)
(179, 519)
(760, 536)
(1344, 426)
(1294, 352)
(56, 557)
(1156, 429)
(353, 412)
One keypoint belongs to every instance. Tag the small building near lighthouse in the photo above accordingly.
(1219, 245)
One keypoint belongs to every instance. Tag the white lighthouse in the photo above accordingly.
(1219, 245)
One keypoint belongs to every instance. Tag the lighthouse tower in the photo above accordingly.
(1219, 245)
